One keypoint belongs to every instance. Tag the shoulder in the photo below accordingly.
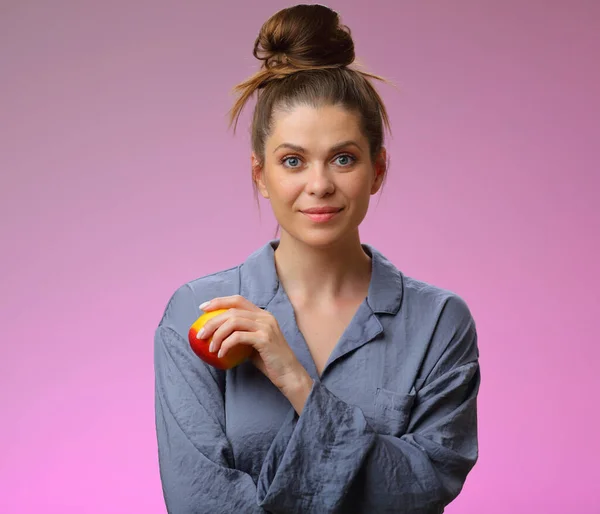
(443, 319)
(182, 307)
(436, 302)
(221, 283)
(411, 300)
(435, 314)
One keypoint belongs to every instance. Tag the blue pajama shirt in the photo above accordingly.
(390, 426)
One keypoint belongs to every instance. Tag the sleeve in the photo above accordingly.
(195, 457)
(329, 459)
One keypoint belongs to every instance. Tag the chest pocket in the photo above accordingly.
(390, 411)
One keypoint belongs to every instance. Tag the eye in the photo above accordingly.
(291, 161)
(345, 160)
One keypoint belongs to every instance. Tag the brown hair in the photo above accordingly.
(306, 54)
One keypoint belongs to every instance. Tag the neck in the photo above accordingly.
(316, 275)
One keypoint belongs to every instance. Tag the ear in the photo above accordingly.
(258, 175)
(380, 170)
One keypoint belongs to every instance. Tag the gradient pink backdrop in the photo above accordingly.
(118, 177)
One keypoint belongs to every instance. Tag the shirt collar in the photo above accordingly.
(259, 281)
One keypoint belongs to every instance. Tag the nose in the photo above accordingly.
(319, 182)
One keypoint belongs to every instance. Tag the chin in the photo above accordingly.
(319, 238)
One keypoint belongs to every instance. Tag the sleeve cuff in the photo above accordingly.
(299, 466)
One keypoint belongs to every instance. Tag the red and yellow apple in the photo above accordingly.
(234, 356)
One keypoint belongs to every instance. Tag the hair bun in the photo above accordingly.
(304, 37)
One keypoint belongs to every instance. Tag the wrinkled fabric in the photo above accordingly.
(390, 426)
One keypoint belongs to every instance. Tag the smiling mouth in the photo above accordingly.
(321, 217)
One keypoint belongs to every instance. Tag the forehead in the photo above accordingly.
(314, 127)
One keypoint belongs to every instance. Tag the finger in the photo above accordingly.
(248, 338)
(228, 328)
(214, 323)
(228, 302)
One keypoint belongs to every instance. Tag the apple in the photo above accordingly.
(234, 356)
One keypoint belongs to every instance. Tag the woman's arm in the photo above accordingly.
(329, 459)
(195, 457)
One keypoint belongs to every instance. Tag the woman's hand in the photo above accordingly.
(245, 323)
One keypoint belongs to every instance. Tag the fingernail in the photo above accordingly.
(220, 354)
(204, 305)
(212, 347)
(200, 334)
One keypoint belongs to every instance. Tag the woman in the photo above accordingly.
(360, 396)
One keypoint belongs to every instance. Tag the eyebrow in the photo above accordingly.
(334, 148)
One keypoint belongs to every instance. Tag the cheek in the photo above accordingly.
(285, 189)
(358, 190)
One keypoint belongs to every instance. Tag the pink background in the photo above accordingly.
(120, 182)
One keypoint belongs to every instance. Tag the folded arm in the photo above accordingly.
(329, 459)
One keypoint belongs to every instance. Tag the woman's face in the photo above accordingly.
(318, 158)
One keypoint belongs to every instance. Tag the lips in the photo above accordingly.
(321, 214)
(322, 210)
